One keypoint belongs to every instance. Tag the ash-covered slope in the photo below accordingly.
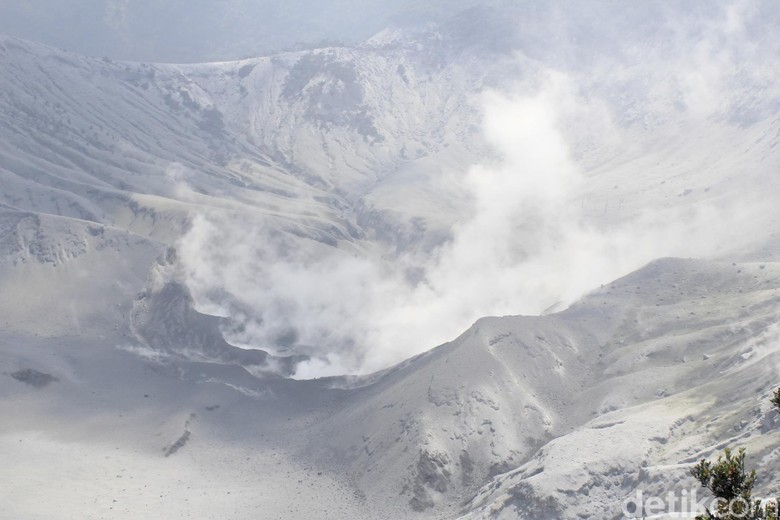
(87, 139)
(292, 146)
(687, 362)
(562, 416)
(619, 393)
(300, 136)
(371, 157)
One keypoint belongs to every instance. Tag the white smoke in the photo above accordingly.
(524, 246)
(527, 241)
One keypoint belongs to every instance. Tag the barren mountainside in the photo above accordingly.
(224, 283)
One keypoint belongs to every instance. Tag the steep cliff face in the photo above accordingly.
(139, 144)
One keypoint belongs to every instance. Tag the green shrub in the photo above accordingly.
(732, 486)
(776, 399)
